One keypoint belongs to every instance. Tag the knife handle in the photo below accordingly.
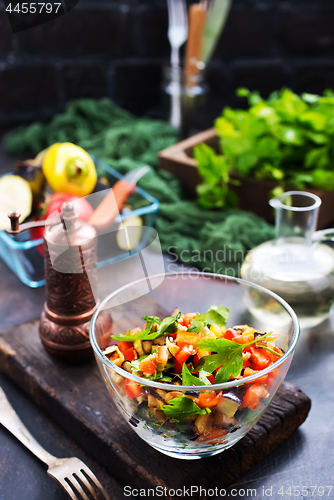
(197, 19)
(112, 204)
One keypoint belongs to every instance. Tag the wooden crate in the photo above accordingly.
(253, 194)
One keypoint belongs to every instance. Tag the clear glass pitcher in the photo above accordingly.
(299, 264)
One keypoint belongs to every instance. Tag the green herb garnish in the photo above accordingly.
(287, 139)
(271, 350)
(188, 378)
(203, 376)
(152, 319)
(217, 315)
(168, 325)
(159, 376)
(182, 407)
(229, 354)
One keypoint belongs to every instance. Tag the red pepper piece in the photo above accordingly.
(133, 389)
(129, 354)
(184, 339)
(253, 396)
(208, 399)
(230, 334)
(124, 346)
(162, 355)
(199, 355)
(260, 358)
(182, 356)
(148, 365)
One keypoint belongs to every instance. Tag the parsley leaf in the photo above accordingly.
(182, 407)
(218, 315)
(169, 325)
(160, 377)
(188, 378)
(145, 334)
(231, 360)
(228, 358)
(203, 376)
(152, 319)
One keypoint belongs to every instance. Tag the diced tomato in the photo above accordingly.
(148, 365)
(260, 358)
(182, 356)
(187, 338)
(133, 389)
(273, 357)
(182, 322)
(177, 366)
(207, 399)
(124, 346)
(187, 319)
(162, 355)
(130, 354)
(253, 396)
(272, 376)
(215, 435)
(199, 355)
(230, 334)
(196, 360)
(262, 380)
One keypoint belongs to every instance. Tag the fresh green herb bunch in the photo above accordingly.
(287, 138)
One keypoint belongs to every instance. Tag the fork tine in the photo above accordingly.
(75, 483)
(68, 489)
(184, 16)
(94, 479)
(89, 487)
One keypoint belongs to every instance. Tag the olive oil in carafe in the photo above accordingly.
(301, 275)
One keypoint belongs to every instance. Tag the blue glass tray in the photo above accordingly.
(21, 254)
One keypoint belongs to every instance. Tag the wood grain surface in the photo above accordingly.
(78, 400)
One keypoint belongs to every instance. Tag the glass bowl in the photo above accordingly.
(201, 435)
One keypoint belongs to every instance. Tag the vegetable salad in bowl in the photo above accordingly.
(188, 384)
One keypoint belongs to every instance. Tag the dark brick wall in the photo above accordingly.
(118, 47)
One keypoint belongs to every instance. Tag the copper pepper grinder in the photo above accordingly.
(71, 272)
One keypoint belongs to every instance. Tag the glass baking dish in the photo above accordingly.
(21, 253)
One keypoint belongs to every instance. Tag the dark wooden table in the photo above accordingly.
(305, 460)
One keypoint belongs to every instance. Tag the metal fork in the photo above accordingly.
(178, 28)
(71, 473)
(177, 35)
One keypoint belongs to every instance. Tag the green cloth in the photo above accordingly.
(216, 241)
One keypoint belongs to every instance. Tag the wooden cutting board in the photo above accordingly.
(78, 400)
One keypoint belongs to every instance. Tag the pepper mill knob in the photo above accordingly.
(14, 216)
(68, 215)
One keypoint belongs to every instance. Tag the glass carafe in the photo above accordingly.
(298, 265)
